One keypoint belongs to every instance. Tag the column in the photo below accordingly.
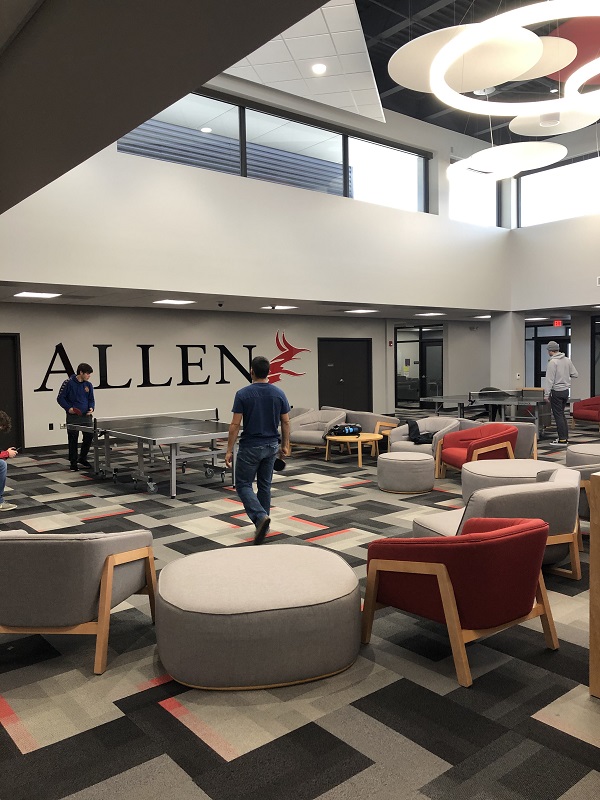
(507, 350)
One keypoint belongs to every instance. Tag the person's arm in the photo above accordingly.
(573, 373)
(550, 375)
(10, 453)
(62, 397)
(234, 429)
(91, 401)
(285, 435)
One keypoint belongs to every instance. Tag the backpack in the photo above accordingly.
(343, 430)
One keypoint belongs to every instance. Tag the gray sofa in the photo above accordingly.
(366, 419)
(308, 429)
(66, 583)
(555, 500)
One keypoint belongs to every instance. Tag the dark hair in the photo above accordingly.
(260, 367)
(83, 367)
(5, 421)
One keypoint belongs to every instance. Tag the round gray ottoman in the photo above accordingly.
(253, 617)
(405, 473)
(502, 472)
(582, 454)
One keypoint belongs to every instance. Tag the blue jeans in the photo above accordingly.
(255, 463)
(3, 469)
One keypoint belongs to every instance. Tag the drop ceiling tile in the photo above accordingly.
(336, 3)
(374, 112)
(312, 47)
(328, 84)
(333, 64)
(292, 87)
(242, 63)
(310, 26)
(355, 62)
(366, 97)
(337, 99)
(270, 53)
(286, 71)
(360, 80)
(342, 18)
(349, 41)
(247, 73)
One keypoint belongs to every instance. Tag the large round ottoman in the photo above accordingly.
(582, 454)
(405, 473)
(502, 472)
(251, 617)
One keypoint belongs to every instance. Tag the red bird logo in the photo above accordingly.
(287, 353)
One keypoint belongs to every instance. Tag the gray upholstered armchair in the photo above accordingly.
(307, 430)
(439, 426)
(68, 582)
(367, 420)
(555, 500)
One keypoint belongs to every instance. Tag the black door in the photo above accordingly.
(431, 375)
(345, 373)
(11, 399)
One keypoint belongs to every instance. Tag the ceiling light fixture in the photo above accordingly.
(174, 302)
(39, 295)
(205, 130)
(431, 314)
(535, 319)
(483, 316)
(319, 69)
(479, 33)
(361, 311)
(278, 308)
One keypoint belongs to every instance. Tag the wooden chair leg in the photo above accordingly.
(547, 620)
(369, 604)
(106, 586)
(459, 651)
(151, 581)
(575, 571)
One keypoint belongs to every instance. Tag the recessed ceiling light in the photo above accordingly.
(483, 316)
(535, 319)
(431, 314)
(319, 69)
(278, 308)
(361, 311)
(41, 295)
(175, 302)
(205, 130)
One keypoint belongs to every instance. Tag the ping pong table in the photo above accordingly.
(175, 429)
(530, 401)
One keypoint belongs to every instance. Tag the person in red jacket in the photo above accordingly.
(5, 425)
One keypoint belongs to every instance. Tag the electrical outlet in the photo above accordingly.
(63, 425)
(51, 426)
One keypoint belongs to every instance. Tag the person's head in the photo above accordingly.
(5, 422)
(259, 367)
(552, 348)
(84, 371)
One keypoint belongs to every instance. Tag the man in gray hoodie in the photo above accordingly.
(559, 372)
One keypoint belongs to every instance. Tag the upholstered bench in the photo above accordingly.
(502, 472)
(255, 617)
(405, 473)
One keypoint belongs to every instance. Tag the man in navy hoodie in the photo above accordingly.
(76, 396)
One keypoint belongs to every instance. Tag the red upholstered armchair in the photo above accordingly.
(478, 583)
(587, 410)
(494, 440)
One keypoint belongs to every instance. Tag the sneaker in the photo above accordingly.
(8, 489)
(262, 528)
(7, 506)
(559, 441)
(73, 466)
(84, 463)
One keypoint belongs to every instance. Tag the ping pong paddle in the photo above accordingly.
(279, 464)
(77, 412)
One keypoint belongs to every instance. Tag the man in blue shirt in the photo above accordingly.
(76, 396)
(262, 407)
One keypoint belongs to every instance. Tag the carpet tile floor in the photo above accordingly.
(395, 725)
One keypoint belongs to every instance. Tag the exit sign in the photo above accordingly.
(558, 323)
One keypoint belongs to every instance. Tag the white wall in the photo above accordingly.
(466, 356)
(79, 329)
(126, 221)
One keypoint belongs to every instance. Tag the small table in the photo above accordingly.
(360, 439)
